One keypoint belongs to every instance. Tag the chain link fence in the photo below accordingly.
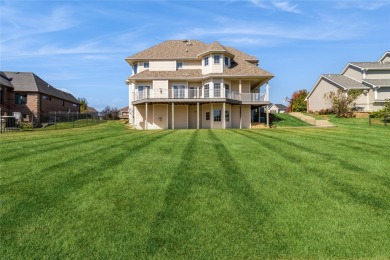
(15, 121)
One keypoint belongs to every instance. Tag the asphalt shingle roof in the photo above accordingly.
(29, 82)
(345, 81)
(176, 49)
(5, 81)
(378, 82)
(371, 65)
(172, 49)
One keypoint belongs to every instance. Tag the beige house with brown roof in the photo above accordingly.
(371, 77)
(190, 84)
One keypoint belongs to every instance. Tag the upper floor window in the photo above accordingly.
(206, 61)
(146, 65)
(226, 61)
(46, 97)
(217, 89)
(20, 99)
(179, 65)
(216, 59)
(1, 97)
(206, 91)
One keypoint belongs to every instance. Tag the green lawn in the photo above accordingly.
(105, 191)
(283, 120)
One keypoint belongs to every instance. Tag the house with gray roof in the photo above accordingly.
(373, 78)
(277, 108)
(32, 95)
(192, 84)
(124, 113)
(6, 89)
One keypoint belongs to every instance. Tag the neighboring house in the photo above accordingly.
(33, 95)
(191, 84)
(124, 113)
(277, 108)
(91, 110)
(371, 77)
(6, 89)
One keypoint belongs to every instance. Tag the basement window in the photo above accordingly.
(217, 115)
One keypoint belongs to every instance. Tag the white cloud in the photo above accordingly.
(21, 25)
(363, 5)
(285, 6)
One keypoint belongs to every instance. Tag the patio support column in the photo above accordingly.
(267, 113)
(211, 116)
(173, 115)
(187, 116)
(153, 115)
(230, 116)
(146, 116)
(197, 115)
(240, 118)
(223, 116)
(167, 127)
(239, 86)
(266, 98)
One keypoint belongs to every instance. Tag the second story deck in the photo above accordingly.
(198, 95)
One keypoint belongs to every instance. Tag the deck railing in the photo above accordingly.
(198, 94)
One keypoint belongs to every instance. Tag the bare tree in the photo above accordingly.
(343, 102)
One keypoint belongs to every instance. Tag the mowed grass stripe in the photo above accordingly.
(119, 193)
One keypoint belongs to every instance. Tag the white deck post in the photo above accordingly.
(146, 116)
(266, 98)
(153, 115)
(211, 116)
(267, 107)
(240, 118)
(173, 115)
(187, 117)
(223, 116)
(197, 115)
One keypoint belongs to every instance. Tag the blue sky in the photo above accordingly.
(80, 46)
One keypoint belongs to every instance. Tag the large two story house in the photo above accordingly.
(373, 78)
(190, 84)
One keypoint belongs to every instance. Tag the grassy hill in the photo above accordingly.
(109, 192)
